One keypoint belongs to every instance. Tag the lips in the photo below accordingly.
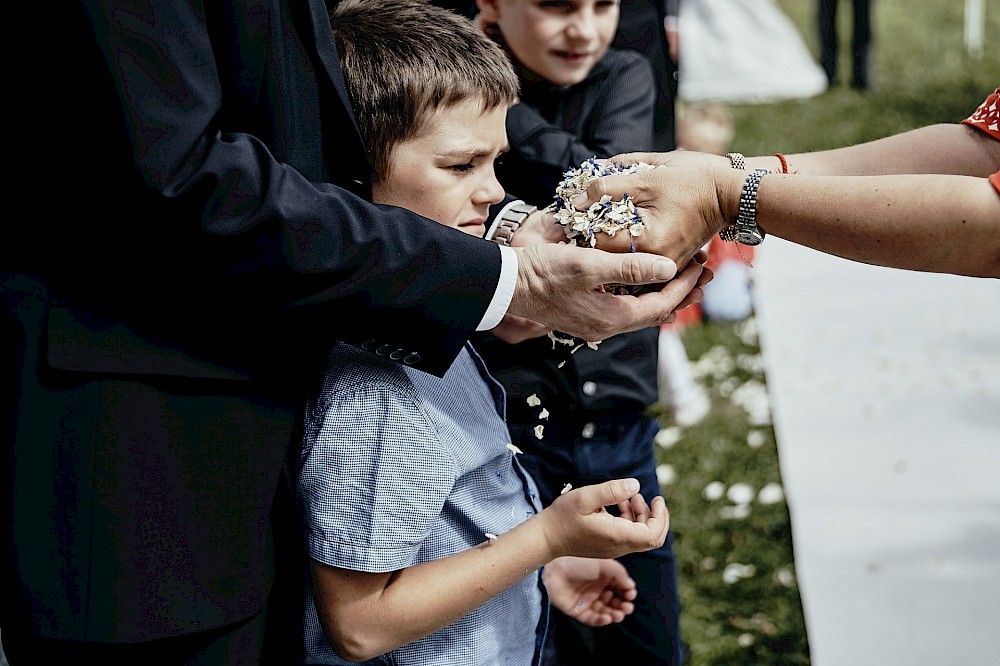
(465, 226)
(572, 56)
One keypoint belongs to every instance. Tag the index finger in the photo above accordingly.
(616, 186)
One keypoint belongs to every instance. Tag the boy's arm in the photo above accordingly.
(622, 119)
(365, 614)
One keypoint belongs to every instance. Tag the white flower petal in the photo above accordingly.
(713, 491)
(740, 493)
(772, 493)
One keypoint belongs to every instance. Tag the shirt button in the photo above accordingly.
(383, 350)
(398, 354)
(412, 358)
(589, 388)
(588, 431)
(369, 345)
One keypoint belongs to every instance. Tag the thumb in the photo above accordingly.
(608, 493)
(635, 267)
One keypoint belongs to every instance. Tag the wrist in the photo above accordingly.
(542, 524)
(728, 189)
(510, 220)
(771, 162)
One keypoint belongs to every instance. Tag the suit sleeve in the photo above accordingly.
(217, 174)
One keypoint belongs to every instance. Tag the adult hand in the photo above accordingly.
(596, 592)
(560, 285)
(577, 523)
(680, 207)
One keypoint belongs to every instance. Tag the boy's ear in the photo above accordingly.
(489, 11)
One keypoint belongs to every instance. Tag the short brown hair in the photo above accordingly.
(403, 59)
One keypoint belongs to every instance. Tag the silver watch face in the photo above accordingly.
(749, 236)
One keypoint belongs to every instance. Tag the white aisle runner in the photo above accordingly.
(885, 393)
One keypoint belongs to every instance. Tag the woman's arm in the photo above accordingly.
(946, 148)
(937, 223)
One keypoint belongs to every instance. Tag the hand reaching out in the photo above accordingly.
(596, 592)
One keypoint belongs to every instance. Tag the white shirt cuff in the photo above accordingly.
(505, 289)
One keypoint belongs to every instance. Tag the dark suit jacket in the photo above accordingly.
(555, 128)
(641, 28)
(191, 245)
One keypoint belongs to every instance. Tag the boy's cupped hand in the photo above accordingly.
(578, 522)
(595, 592)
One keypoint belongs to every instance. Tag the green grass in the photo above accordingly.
(920, 74)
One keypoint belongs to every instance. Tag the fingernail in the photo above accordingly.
(632, 485)
(664, 269)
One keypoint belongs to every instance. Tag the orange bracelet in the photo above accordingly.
(784, 162)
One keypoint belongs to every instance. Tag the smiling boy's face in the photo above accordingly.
(559, 40)
(445, 173)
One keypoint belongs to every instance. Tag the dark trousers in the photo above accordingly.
(651, 635)
(859, 43)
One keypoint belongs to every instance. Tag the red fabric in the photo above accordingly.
(987, 117)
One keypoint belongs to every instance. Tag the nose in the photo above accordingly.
(582, 25)
(490, 191)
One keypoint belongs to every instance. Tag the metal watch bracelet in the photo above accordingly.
(511, 221)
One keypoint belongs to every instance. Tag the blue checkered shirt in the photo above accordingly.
(400, 467)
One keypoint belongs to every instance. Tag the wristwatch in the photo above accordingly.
(745, 230)
(510, 221)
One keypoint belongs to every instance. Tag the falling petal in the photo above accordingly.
(491, 537)
(566, 488)
(514, 448)
(544, 414)
(539, 429)
(533, 400)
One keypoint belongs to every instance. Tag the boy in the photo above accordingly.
(416, 508)
(580, 98)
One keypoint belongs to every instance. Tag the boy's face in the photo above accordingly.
(560, 40)
(445, 173)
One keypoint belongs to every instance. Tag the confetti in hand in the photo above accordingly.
(605, 216)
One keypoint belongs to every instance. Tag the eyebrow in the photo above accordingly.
(473, 152)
